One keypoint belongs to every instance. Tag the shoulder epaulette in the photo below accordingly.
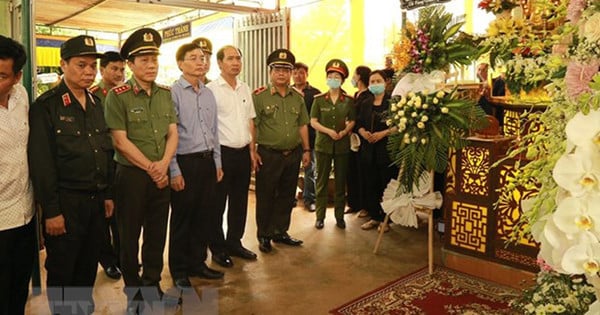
(121, 89)
(259, 90)
(164, 87)
(94, 89)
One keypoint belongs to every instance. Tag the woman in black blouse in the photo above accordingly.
(376, 171)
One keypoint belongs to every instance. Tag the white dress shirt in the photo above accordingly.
(234, 110)
(16, 193)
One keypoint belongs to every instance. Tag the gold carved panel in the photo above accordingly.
(475, 166)
(512, 123)
(508, 209)
(469, 226)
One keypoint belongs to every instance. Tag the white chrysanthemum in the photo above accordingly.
(401, 113)
(420, 125)
(414, 114)
(394, 107)
(424, 118)
(425, 106)
(584, 130)
(439, 94)
(582, 258)
(578, 173)
(444, 110)
(575, 215)
(435, 100)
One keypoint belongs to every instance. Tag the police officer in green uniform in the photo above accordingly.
(206, 46)
(332, 115)
(112, 70)
(72, 169)
(143, 124)
(282, 137)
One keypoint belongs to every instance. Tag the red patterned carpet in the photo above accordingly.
(445, 292)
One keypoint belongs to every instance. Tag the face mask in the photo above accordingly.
(333, 83)
(354, 83)
(377, 89)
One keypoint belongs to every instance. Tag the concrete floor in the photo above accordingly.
(333, 267)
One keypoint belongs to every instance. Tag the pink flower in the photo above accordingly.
(575, 9)
(579, 76)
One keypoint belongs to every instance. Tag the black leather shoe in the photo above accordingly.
(207, 273)
(242, 252)
(319, 224)
(113, 272)
(222, 260)
(182, 283)
(287, 240)
(264, 244)
(340, 223)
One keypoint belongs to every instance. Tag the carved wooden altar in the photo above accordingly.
(477, 224)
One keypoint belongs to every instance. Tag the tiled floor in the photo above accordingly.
(332, 267)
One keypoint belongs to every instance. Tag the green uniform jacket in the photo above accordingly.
(146, 119)
(279, 117)
(100, 90)
(69, 148)
(333, 117)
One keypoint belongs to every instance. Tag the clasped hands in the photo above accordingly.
(158, 172)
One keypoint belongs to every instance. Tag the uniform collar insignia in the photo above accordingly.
(66, 100)
(136, 89)
(273, 90)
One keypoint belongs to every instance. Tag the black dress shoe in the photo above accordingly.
(207, 273)
(182, 283)
(113, 272)
(340, 223)
(287, 240)
(222, 260)
(319, 224)
(264, 244)
(240, 251)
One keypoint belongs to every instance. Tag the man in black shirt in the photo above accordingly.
(299, 74)
(71, 169)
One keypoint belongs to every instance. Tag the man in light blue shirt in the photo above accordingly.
(195, 171)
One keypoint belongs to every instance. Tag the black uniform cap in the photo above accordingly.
(338, 66)
(144, 41)
(82, 45)
(281, 58)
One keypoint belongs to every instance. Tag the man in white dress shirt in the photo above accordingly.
(235, 111)
(17, 229)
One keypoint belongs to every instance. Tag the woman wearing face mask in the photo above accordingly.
(375, 162)
(360, 80)
(332, 116)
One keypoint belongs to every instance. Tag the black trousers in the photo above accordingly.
(109, 250)
(17, 247)
(140, 204)
(354, 181)
(72, 258)
(232, 192)
(191, 210)
(276, 183)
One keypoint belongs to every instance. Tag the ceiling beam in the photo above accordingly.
(95, 4)
(206, 5)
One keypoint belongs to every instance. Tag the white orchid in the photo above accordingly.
(578, 173)
(582, 258)
(576, 215)
(584, 131)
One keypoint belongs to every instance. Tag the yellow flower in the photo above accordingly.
(445, 110)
